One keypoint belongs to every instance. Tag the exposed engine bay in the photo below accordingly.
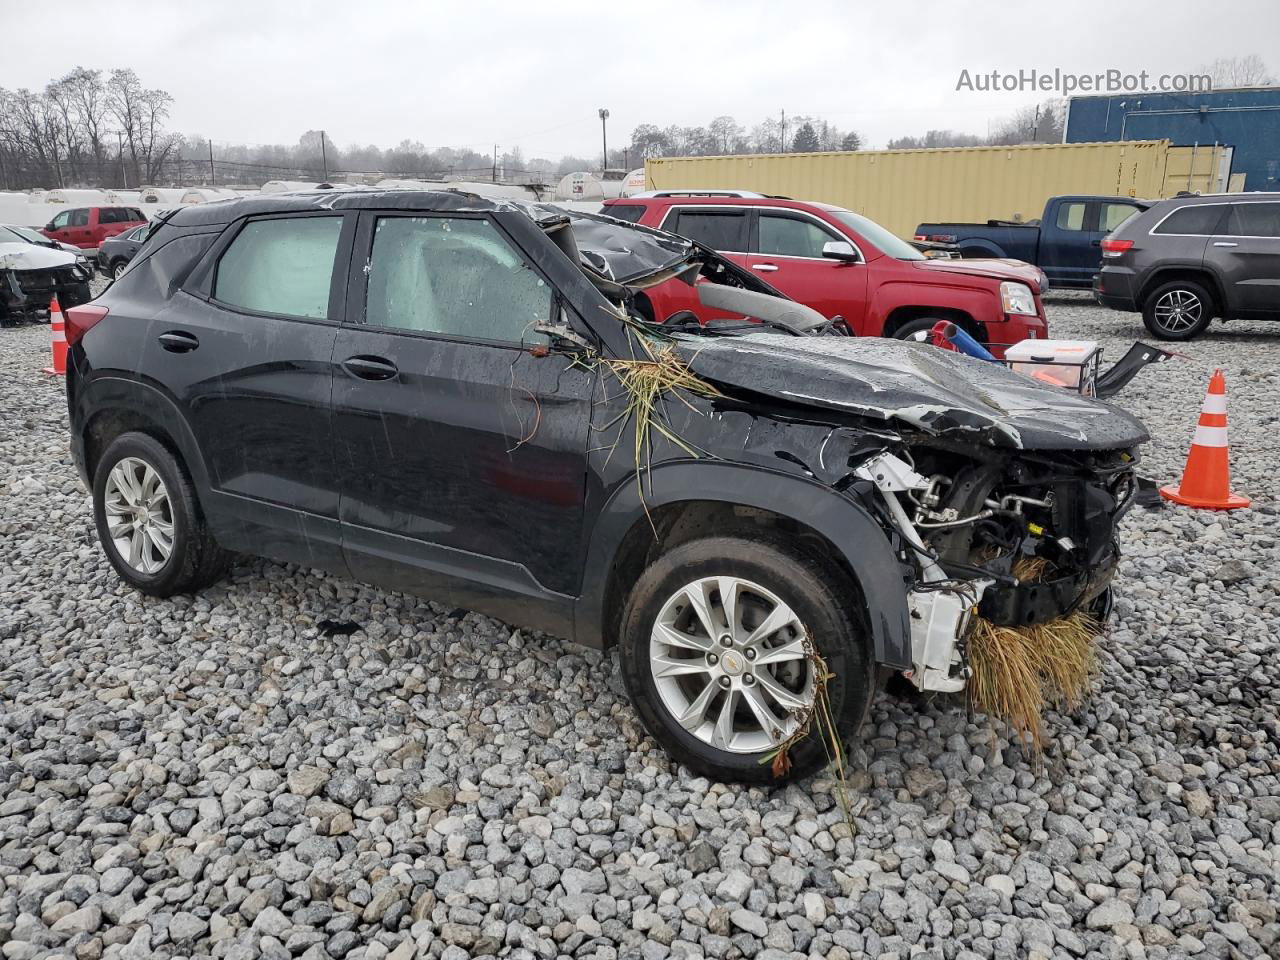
(32, 275)
(963, 525)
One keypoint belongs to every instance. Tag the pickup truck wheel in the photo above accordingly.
(149, 522)
(1178, 310)
(714, 652)
(917, 330)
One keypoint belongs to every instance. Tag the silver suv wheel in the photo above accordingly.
(139, 515)
(730, 664)
(1178, 310)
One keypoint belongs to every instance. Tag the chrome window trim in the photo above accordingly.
(803, 214)
(1216, 203)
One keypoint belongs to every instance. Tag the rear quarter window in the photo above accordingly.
(631, 212)
(1196, 221)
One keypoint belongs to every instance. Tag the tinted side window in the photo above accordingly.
(111, 215)
(136, 215)
(280, 266)
(79, 218)
(718, 229)
(456, 277)
(631, 212)
(1196, 221)
(1071, 216)
(1254, 220)
(792, 237)
(1114, 214)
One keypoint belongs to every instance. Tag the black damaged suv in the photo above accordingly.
(446, 395)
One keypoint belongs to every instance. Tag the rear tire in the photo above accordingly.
(149, 521)
(769, 577)
(1178, 310)
(117, 268)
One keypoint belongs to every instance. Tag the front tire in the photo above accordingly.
(713, 648)
(916, 330)
(149, 522)
(1178, 310)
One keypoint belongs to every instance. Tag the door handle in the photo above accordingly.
(176, 341)
(1224, 243)
(370, 368)
(764, 267)
(1095, 243)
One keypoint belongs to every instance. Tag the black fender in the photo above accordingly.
(989, 248)
(106, 394)
(844, 522)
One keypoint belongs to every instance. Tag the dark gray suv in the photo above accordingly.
(1187, 260)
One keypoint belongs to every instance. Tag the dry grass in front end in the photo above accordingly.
(1018, 671)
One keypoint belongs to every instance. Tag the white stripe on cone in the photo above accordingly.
(1215, 403)
(1210, 437)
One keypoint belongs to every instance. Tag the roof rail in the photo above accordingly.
(741, 194)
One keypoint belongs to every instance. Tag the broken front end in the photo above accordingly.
(1013, 538)
(26, 291)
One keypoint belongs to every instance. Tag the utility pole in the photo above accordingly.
(124, 177)
(324, 158)
(784, 131)
(604, 139)
(213, 174)
(494, 175)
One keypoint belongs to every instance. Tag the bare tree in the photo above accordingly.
(727, 134)
(90, 101)
(936, 138)
(1249, 71)
(1033, 123)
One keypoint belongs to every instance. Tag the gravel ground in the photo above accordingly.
(216, 775)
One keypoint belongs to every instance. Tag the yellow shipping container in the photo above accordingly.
(901, 188)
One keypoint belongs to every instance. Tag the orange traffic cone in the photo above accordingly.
(58, 337)
(1206, 481)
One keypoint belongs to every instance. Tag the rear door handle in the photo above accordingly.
(1224, 243)
(176, 341)
(764, 267)
(370, 368)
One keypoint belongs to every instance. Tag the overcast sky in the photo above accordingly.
(533, 75)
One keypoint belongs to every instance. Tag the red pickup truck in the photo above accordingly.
(841, 264)
(86, 227)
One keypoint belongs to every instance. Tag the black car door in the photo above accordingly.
(1246, 252)
(247, 350)
(461, 448)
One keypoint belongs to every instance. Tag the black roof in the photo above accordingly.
(436, 201)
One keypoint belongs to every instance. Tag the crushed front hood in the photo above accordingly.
(914, 386)
(29, 256)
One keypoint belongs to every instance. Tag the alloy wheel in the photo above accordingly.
(139, 515)
(1178, 310)
(730, 663)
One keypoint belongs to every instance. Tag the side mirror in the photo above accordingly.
(50, 226)
(841, 250)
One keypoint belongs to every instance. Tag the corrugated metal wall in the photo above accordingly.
(901, 188)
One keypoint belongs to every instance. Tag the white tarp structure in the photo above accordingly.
(35, 208)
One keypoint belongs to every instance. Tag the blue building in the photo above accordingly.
(1246, 119)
